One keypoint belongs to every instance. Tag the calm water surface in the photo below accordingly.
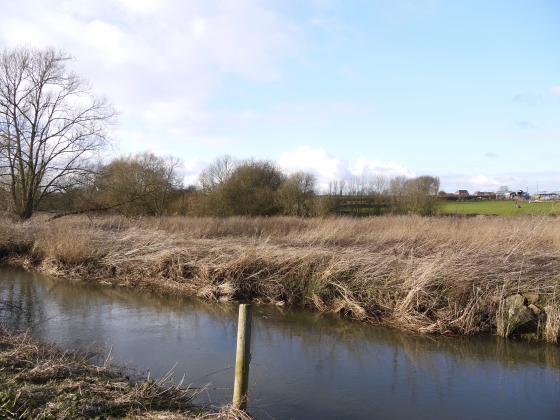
(304, 366)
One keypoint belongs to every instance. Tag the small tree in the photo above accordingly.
(141, 184)
(428, 185)
(250, 190)
(414, 195)
(296, 195)
(50, 124)
(397, 194)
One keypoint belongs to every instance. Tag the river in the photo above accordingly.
(304, 365)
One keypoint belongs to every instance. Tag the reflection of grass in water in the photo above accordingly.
(357, 338)
(8, 308)
(74, 298)
(311, 328)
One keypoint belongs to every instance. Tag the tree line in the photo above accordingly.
(146, 184)
(52, 128)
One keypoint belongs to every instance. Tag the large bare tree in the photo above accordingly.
(50, 125)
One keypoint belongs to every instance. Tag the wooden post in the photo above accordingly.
(242, 358)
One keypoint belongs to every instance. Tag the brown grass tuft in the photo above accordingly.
(552, 326)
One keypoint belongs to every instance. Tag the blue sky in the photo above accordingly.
(465, 90)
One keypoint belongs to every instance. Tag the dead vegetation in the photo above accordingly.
(429, 275)
(41, 381)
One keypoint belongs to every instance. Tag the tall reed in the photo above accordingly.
(434, 275)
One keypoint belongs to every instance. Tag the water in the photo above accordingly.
(305, 365)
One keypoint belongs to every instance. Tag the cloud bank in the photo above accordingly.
(159, 62)
(328, 168)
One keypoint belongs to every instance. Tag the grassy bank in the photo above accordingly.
(500, 208)
(428, 275)
(40, 381)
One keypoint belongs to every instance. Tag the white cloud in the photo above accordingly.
(159, 62)
(367, 167)
(485, 182)
(317, 161)
(481, 182)
(556, 90)
(328, 168)
(140, 6)
(245, 38)
(108, 40)
(198, 27)
(190, 171)
(313, 160)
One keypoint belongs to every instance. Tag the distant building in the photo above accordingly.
(485, 195)
(462, 194)
(512, 195)
(504, 193)
(544, 196)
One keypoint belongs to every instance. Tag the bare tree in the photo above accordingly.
(50, 125)
(337, 187)
(140, 184)
(380, 184)
(217, 172)
(428, 185)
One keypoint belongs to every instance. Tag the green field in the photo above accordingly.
(500, 208)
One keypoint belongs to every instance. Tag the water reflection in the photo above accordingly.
(305, 365)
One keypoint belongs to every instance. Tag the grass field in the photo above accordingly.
(500, 208)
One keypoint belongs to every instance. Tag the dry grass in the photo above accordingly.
(41, 381)
(430, 275)
(552, 327)
(14, 238)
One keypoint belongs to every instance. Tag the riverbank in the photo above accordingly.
(427, 275)
(38, 380)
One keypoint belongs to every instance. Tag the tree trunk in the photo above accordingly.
(27, 211)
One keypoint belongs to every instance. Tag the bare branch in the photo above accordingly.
(50, 124)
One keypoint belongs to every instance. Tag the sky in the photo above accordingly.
(465, 90)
